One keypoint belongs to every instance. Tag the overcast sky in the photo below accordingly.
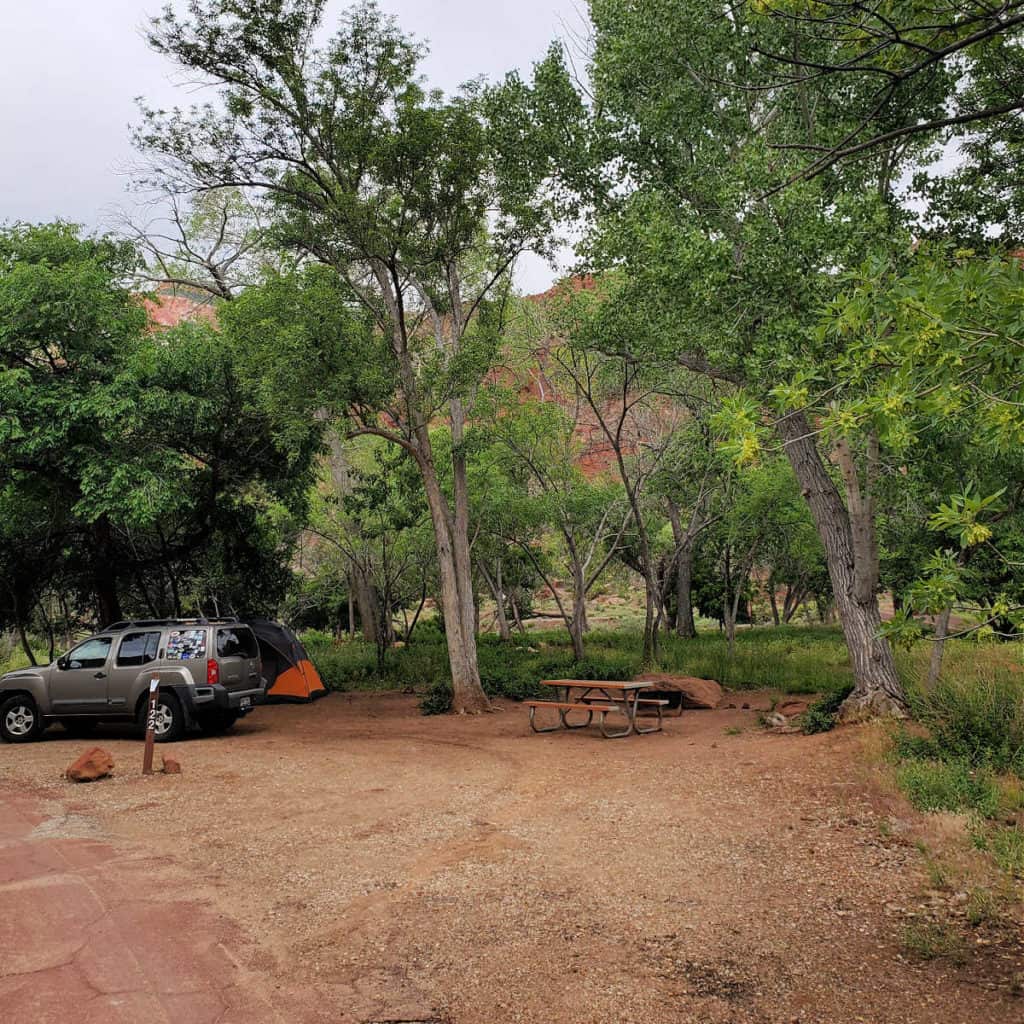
(71, 69)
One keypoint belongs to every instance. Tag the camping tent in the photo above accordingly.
(290, 675)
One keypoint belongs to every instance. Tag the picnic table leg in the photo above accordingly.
(546, 728)
(623, 708)
(636, 722)
(583, 725)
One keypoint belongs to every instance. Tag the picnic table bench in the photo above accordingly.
(601, 698)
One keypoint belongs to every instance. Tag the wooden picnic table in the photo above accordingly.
(599, 697)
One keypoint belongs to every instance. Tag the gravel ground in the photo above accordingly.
(400, 868)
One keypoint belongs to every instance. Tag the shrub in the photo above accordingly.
(823, 714)
(437, 700)
(979, 717)
(953, 785)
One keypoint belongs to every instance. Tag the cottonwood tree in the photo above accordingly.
(688, 137)
(692, 482)
(214, 243)
(963, 55)
(541, 441)
(420, 204)
(628, 411)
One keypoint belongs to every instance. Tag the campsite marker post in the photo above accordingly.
(147, 755)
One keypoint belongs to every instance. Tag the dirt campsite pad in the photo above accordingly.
(351, 862)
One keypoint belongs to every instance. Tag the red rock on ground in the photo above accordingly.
(792, 708)
(93, 764)
(697, 693)
(171, 766)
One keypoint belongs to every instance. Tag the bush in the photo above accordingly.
(437, 700)
(953, 785)
(978, 718)
(823, 714)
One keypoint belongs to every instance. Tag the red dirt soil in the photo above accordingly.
(350, 861)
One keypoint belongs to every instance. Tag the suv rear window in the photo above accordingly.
(138, 648)
(236, 643)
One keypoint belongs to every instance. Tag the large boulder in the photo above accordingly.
(695, 693)
(93, 764)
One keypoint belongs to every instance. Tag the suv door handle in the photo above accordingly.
(100, 675)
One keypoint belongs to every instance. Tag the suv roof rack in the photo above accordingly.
(132, 623)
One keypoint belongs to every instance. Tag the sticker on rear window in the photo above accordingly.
(186, 644)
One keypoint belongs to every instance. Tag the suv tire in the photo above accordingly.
(170, 718)
(214, 723)
(20, 721)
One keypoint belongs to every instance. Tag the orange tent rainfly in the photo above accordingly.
(291, 676)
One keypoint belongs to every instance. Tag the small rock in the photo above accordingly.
(746, 706)
(171, 766)
(95, 763)
(792, 708)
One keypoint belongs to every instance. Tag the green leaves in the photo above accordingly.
(962, 516)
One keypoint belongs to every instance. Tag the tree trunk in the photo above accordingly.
(685, 552)
(25, 645)
(368, 601)
(938, 649)
(457, 603)
(104, 575)
(578, 623)
(494, 586)
(774, 604)
(877, 688)
(451, 527)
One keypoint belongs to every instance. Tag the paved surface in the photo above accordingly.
(90, 932)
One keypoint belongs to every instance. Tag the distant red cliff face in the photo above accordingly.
(171, 306)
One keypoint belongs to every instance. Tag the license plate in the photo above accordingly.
(245, 702)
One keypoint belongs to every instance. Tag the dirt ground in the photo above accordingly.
(351, 861)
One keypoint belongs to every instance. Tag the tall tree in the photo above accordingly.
(419, 204)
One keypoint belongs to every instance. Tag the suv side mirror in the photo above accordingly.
(62, 663)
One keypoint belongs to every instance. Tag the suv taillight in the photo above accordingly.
(212, 673)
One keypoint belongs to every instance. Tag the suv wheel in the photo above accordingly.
(214, 723)
(170, 719)
(20, 720)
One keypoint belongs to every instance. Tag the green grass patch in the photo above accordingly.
(934, 940)
(791, 659)
(951, 785)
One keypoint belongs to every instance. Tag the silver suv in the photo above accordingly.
(209, 672)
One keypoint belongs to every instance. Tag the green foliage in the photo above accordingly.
(823, 714)
(948, 785)
(139, 472)
(979, 718)
(791, 659)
